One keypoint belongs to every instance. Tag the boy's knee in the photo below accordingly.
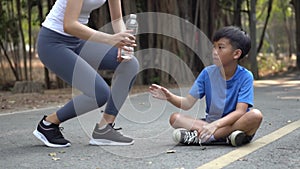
(173, 118)
(256, 115)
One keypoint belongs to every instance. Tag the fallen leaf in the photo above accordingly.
(52, 154)
(242, 159)
(171, 151)
(11, 101)
(55, 158)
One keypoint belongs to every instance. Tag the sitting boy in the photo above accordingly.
(228, 91)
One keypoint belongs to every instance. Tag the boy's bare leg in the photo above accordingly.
(249, 123)
(178, 120)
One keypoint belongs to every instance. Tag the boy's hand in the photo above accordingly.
(207, 131)
(159, 92)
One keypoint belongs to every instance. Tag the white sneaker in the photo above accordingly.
(237, 138)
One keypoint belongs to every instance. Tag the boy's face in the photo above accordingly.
(223, 53)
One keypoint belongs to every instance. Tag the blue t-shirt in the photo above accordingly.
(223, 95)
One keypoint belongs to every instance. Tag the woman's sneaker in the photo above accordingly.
(187, 137)
(50, 135)
(109, 136)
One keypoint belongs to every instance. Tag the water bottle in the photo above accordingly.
(131, 24)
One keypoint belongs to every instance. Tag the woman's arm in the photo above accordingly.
(116, 15)
(75, 28)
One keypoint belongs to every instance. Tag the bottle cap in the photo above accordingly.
(132, 16)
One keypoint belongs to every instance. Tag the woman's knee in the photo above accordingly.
(134, 64)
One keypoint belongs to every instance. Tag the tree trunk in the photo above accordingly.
(21, 31)
(253, 53)
(29, 4)
(237, 13)
(262, 37)
(9, 61)
(287, 27)
(41, 18)
(296, 4)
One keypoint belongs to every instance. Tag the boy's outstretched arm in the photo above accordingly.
(162, 93)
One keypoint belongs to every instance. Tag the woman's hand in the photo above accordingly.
(159, 92)
(122, 39)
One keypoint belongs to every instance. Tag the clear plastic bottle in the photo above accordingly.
(131, 24)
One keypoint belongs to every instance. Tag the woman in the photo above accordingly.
(75, 52)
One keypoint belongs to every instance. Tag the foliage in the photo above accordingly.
(207, 15)
(269, 64)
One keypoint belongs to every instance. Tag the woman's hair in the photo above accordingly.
(238, 38)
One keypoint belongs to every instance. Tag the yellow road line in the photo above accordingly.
(249, 148)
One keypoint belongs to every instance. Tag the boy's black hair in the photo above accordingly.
(238, 38)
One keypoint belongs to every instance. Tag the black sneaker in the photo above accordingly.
(187, 137)
(50, 135)
(109, 136)
(238, 138)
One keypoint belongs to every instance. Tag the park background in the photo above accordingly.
(274, 27)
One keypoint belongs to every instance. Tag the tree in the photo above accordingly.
(296, 4)
(253, 50)
(262, 37)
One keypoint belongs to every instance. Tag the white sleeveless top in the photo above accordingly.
(55, 18)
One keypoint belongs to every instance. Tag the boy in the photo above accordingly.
(228, 90)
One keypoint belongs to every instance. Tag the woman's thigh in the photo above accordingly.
(58, 53)
(99, 55)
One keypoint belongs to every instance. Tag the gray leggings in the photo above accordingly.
(76, 62)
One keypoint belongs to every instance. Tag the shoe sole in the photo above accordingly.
(177, 135)
(239, 138)
(42, 138)
(103, 142)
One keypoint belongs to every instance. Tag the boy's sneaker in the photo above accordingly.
(50, 135)
(238, 138)
(187, 137)
(109, 136)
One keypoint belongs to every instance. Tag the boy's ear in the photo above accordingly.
(237, 54)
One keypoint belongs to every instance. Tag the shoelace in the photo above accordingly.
(113, 126)
(191, 137)
(58, 131)
(116, 129)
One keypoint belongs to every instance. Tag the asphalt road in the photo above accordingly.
(276, 144)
